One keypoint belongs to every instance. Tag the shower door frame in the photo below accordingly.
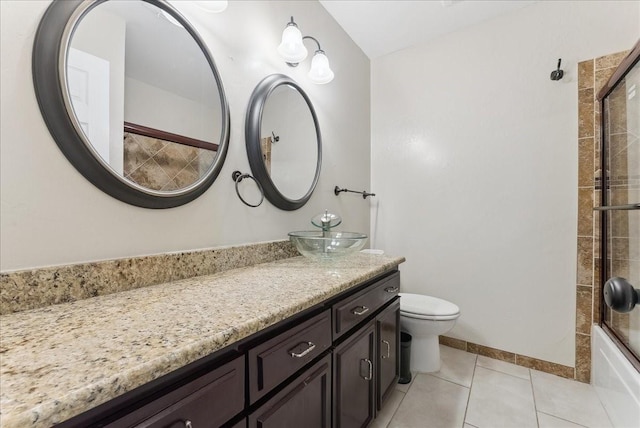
(623, 69)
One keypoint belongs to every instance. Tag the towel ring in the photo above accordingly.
(237, 176)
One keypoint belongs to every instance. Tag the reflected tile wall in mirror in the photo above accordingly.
(163, 165)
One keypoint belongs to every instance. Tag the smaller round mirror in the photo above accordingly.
(283, 141)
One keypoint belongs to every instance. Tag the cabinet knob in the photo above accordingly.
(359, 310)
(392, 289)
(187, 424)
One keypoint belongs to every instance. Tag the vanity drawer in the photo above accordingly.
(275, 360)
(351, 311)
(210, 400)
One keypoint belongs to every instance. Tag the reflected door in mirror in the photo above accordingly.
(132, 97)
(151, 73)
(295, 155)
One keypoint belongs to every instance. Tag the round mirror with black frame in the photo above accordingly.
(133, 98)
(283, 141)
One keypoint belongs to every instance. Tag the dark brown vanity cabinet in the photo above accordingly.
(273, 361)
(354, 309)
(366, 369)
(365, 362)
(354, 379)
(345, 387)
(387, 329)
(211, 400)
(305, 402)
(241, 424)
(331, 365)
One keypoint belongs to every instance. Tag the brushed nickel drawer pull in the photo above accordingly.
(360, 310)
(370, 376)
(311, 347)
(388, 349)
(392, 289)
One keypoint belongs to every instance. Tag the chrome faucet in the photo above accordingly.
(326, 221)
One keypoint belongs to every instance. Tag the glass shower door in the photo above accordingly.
(620, 233)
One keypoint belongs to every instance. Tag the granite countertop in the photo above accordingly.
(62, 360)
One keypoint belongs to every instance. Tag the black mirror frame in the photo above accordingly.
(254, 151)
(51, 41)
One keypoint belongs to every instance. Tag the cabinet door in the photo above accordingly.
(306, 402)
(388, 329)
(354, 383)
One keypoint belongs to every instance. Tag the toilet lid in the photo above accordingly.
(419, 304)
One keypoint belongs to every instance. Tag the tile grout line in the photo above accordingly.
(508, 374)
(550, 415)
(533, 395)
(473, 375)
(449, 380)
(404, 395)
(563, 419)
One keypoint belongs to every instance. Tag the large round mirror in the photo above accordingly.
(283, 141)
(133, 98)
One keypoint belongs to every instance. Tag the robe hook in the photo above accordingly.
(557, 74)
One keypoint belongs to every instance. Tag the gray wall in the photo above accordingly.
(485, 207)
(50, 215)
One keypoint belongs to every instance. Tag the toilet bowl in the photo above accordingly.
(425, 318)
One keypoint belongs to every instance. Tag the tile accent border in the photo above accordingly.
(510, 357)
(36, 288)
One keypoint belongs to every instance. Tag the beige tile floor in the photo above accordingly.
(472, 391)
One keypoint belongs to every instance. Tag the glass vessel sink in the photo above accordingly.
(326, 245)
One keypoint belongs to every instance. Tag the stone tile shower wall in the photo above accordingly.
(592, 76)
(163, 165)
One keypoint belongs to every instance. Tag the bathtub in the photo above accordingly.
(615, 380)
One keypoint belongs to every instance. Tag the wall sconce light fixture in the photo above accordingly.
(293, 51)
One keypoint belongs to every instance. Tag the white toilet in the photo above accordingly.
(425, 318)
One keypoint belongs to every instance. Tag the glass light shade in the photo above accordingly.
(320, 72)
(213, 6)
(291, 48)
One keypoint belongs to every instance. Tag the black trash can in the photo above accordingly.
(405, 358)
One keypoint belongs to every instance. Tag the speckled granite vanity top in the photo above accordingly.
(59, 361)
